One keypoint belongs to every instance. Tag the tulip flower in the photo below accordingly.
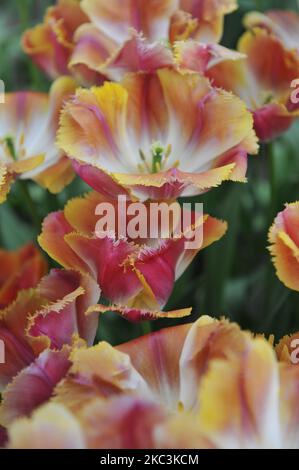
(135, 137)
(194, 56)
(28, 125)
(281, 23)
(20, 269)
(191, 386)
(263, 80)
(38, 330)
(51, 427)
(284, 245)
(166, 367)
(112, 40)
(137, 275)
(50, 44)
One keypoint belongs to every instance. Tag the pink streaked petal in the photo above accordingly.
(116, 18)
(156, 358)
(52, 240)
(283, 24)
(99, 180)
(271, 121)
(207, 340)
(158, 267)
(34, 385)
(19, 352)
(50, 427)
(175, 183)
(92, 49)
(193, 55)
(114, 415)
(65, 318)
(137, 55)
(106, 259)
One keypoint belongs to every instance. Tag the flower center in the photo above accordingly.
(158, 159)
(10, 149)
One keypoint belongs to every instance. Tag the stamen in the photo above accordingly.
(145, 164)
(157, 154)
(160, 156)
(10, 147)
(22, 139)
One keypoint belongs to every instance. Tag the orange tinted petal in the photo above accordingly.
(283, 237)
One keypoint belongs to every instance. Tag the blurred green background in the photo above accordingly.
(235, 277)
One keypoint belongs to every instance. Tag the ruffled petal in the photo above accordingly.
(34, 385)
(283, 237)
(114, 415)
(20, 269)
(100, 371)
(51, 427)
(50, 44)
(263, 81)
(117, 125)
(252, 418)
(283, 24)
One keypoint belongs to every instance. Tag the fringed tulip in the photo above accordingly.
(127, 36)
(50, 44)
(202, 386)
(136, 136)
(263, 80)
(38, 330)
(28, 126)
(284, 245)
(136, 274)
(19, 270)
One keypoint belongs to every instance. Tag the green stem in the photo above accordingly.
(24, 8)
(29, 203)
(269, 150)
(146, 328)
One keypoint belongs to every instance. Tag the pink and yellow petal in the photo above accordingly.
(114, 415)
(209, 16)
(106, 258)
(284, 249)
(92, 50)
(206, 341)
(57, 177)
(212, 231)
(52, 240)
(34, 385)
(283, 24)
(103, 119)
(274, 73)
(96, 118)
(21, 269)
(156, 357)
(195, 56)
(116, 18)
(100, 371)
(253, 417)
(50, 44)
(137, 55)
(50, 427)
(19, 353)
(272, 120)
(69, 295)
(100, 181)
